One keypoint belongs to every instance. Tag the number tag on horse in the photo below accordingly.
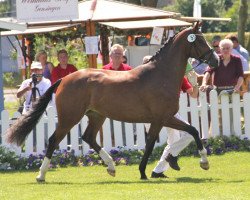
(191, 37)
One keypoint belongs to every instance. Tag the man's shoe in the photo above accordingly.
(158, 175)
(172, 160)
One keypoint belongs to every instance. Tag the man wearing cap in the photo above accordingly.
(36, 81)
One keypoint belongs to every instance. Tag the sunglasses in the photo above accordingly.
(216, 46)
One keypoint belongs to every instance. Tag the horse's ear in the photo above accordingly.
(196, 27)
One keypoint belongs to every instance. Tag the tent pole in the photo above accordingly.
(1, 80)
(90, 26)
(104, 33)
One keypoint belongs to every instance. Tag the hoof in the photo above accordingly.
(111, 172)
(144, 177)
(39, 180)
(204, 165)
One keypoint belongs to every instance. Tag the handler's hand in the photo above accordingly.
(204, 88)
(236, 90)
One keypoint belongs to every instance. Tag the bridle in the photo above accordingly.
(204, 58)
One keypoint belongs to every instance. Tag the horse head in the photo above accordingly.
(199, 48)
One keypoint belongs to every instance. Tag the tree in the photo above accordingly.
(149, 3)
(242, 21)
(136, 2)
(210, 8)
(5, 9)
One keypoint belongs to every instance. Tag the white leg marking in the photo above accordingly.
(43, 169)
(204, 164)
(108, 161)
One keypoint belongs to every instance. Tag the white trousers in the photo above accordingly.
(177, 141)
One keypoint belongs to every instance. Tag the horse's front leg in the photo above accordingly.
(181, 125)
(151, 138)
(95, 122)
(54, 140)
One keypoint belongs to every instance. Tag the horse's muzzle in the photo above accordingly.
(214, 60)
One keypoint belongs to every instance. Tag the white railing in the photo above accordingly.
(132, 136)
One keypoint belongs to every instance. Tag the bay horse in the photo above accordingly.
(148, 93)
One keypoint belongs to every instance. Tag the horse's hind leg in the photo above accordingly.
(54, 141)
(95, 122)
(151, 138)
(65, 122)
(180, 125)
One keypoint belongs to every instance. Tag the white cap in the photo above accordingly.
(36, 65)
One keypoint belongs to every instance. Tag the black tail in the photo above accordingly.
(24, 125)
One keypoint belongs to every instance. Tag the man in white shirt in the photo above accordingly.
(37, 83)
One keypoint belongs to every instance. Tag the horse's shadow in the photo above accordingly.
(149, 181)
(196, 180)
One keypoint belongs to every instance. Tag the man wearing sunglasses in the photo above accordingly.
(215, 43)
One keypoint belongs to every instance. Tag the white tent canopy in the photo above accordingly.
(12, 25)
(169, 22)
(35, 30)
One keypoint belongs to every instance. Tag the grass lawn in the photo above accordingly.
(228, 178)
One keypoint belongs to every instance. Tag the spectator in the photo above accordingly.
(117, 63)
(240, 51)
(215, 43)
(238, 47)
(28, 86)
(41, 57)
(229, 73)
(63, 68)
(116, 56)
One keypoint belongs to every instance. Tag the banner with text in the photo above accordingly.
(46, 10)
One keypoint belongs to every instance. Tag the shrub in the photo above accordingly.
(11, 79)
(121, 155)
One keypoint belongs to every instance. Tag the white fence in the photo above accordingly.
(229, 115)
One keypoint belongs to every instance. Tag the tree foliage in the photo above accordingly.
(212, 8)
(242, 20)
(149, 3)
(5, 8)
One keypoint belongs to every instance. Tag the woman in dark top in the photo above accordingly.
(41, 57)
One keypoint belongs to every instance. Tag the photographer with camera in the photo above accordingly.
(33, 87)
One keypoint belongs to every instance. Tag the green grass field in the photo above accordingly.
(228, 178)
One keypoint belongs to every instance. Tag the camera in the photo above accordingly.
(34, 77)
